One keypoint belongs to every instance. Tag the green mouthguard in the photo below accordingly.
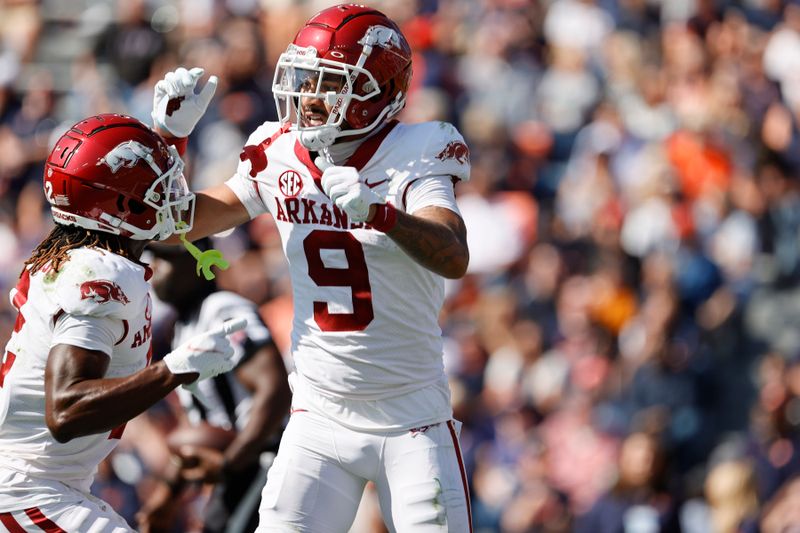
(205, 259)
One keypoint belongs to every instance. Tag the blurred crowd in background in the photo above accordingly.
(625, 349)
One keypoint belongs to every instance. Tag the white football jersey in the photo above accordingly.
(228, 400)
(98, 301)
(365, 314)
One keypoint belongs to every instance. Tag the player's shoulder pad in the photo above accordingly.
(102, 284)
(263, 132)
(441, 149)
(254, 155)
(224, 305)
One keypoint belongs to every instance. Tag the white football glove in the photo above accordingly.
(348, 192)
(208, 354)
(176, 107)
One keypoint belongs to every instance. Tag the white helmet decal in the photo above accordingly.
(126, 154)
(381, 36)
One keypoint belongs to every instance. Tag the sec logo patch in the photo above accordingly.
(290, 183)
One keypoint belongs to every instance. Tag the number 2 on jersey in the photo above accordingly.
(355, 276)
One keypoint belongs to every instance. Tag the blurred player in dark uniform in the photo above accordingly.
(249, 404)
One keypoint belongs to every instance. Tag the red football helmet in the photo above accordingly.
(112, 173)
(352, 57)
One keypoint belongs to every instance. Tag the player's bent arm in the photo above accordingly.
(264, 375)
(79, 401)
(216, 209)
(436, 238)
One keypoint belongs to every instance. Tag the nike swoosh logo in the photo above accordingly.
(373, 185)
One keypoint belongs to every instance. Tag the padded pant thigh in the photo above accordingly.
(423, 488)
(308, 488)
(76, 513)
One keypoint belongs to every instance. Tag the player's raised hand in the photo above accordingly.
(344, 186)
(208, 354)
(176, 106)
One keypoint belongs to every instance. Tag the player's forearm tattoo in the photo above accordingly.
(438, 246)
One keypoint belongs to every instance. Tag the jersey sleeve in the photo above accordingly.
(88, 332)
(435, 191)
(243, 185)
(101, 284)
(246, 191)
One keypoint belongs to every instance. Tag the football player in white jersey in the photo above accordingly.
(252, 401)
(368, 221)
(75, 369)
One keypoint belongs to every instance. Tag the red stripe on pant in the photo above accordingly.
(44, 523)
(11, 523)
(451, 426)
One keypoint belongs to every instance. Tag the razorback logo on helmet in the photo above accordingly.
(102, 291)
(382, 36)
(455, 150)
(125, 154)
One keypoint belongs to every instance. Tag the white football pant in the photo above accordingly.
(77, 512)
(316, 481)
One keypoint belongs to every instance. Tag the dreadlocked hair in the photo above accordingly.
(53, 249)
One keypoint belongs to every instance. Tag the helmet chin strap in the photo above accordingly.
(316, 140)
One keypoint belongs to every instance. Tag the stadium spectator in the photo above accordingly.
(640, 499)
